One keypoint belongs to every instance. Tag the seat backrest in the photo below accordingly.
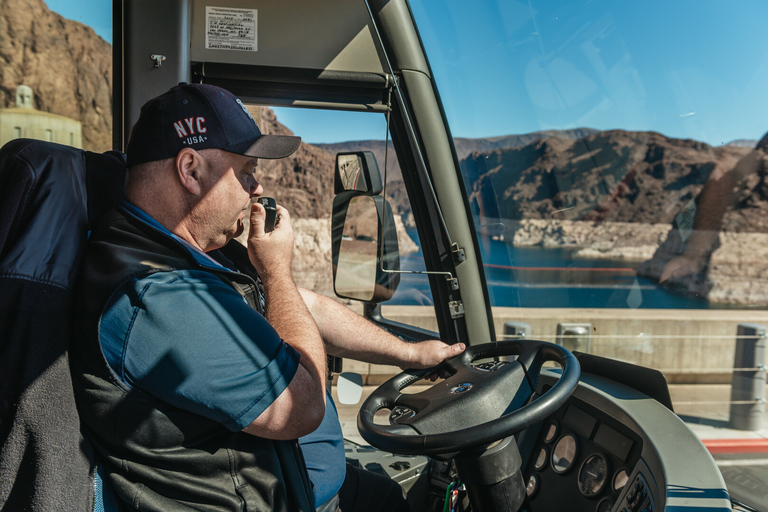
(50, 195)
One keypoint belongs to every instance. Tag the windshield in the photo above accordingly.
(614, 162)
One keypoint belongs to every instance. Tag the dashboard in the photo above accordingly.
(587, 459)
(612, 448)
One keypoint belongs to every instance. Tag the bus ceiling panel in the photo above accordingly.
(292, 95)
(303, 34)
(327, 48)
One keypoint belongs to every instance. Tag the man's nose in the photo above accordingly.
(256, 189)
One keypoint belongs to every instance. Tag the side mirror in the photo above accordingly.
(357, 171)
(363, 231)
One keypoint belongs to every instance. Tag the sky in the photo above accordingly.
(687, 68)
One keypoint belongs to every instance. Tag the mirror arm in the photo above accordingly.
(458, 253)
(409, 333)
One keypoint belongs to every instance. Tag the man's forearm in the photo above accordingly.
(300, 408)
(288, 314)
(349, 335)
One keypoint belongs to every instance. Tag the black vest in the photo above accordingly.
(160, 457)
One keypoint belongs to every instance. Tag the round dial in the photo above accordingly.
(550, 432)
(593, 474)
(620, 479)
(532, 486)
(605, 505)
(541, 460)
(564, 453)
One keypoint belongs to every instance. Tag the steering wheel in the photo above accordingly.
(475, 406)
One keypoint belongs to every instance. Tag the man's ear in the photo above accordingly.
(189, 167)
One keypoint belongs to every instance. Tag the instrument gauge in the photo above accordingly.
(532, 486)
(620, 479)
(564, 453)
(550, 432)
(605, 505)
(593, 475)
(541, 460)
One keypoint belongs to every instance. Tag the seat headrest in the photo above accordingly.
(50, 196)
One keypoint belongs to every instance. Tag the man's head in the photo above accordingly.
(191, 158)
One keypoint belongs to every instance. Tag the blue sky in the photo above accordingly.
(687, 68)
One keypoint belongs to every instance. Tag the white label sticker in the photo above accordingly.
(228, 28)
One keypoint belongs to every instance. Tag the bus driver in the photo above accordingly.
(192, 379)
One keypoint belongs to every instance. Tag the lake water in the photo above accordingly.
(555, 278)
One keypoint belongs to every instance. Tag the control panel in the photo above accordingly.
(638, 497)
(587, 459)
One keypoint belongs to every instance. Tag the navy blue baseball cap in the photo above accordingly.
(201, 116)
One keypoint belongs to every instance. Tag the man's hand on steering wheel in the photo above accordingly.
(427, 354)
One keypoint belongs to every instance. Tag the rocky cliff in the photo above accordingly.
(614, 175)
(694, 217)
(464, 147)
(68, 67)
(303, 182)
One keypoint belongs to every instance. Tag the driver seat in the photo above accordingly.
(50, 196)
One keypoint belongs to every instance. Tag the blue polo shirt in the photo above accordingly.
(191, 328)
(324, 455)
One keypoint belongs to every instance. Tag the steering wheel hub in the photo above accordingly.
(464, 386)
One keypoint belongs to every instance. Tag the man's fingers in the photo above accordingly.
(450, 351)
(258, 217)
(282, 212)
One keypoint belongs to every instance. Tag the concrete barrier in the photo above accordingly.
(688, 346)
